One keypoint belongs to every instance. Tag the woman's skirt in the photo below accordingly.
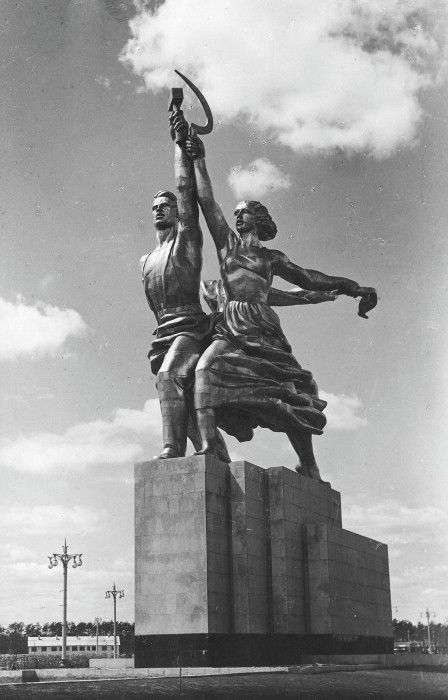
(257, 381)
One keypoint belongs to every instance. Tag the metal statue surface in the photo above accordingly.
(171, 276)
(248, 376)
(234, 368)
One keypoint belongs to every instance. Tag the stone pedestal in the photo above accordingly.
(240, 566)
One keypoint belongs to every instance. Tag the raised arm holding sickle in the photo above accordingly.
(248, 376)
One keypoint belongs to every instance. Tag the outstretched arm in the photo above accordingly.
(295, 297)
(215, 296)
(318, 281)
(311, 279)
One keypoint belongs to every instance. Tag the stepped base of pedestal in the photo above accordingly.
(217, 650)
(236, 565)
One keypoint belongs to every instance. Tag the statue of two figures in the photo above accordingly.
(232, 369)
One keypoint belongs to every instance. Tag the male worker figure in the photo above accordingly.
(171, 276)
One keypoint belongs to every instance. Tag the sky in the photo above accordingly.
(334, 114)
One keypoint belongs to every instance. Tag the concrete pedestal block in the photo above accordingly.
(348, 580)
(237, 565)
(294, 500)
(249, 552)
(182, 547)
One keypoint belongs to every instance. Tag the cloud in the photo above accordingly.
(420, 585)
(104, 81)
(45, 519)
(12, 552)
(35, 330)
(49, 280)
(113, 441)
(416, 538)
(342, 411)
(397, 523)
(31, 533)
(424, 576)
(257, 179)
(123, 10)
(312, 76)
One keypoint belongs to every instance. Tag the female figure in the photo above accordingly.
(248, 376)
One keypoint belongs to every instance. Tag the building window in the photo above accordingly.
(59, 648)
(74, 648)
(103, 648)
(54, 648)
(81, 648)
(44, 649)
(33, 649)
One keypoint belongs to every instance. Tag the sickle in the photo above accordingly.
(196, 128)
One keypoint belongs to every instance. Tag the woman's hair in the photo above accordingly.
(266, 228)
(169, 195)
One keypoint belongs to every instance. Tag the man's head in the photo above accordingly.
(164, 210)
(252, 215)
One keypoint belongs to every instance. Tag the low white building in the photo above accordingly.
(53, 645)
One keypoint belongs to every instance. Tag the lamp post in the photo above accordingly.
(97, 622)
(77, 561)
(428, 616)
(114, 593)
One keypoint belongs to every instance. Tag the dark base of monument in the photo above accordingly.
(218, 650)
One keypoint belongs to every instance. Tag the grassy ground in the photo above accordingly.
(357, 684)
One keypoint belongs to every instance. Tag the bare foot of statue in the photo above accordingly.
(312, 472)
(169, 452)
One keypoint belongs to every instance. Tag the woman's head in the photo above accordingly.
(251, 213)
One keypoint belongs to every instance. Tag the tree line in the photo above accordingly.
(13, 638)
(405, 631)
